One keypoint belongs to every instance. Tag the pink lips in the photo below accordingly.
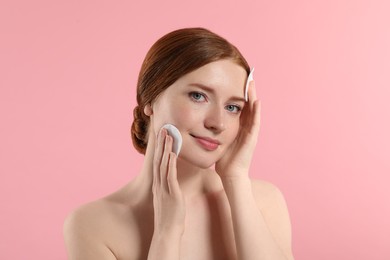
(207, 143)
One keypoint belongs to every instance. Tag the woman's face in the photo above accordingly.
(205, 105)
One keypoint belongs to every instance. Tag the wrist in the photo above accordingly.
(235, 179)
(165, 245)
(237, 187)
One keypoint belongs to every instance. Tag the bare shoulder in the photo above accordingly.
(273, 207)
(266, 193)
(89, 216)
(94, 230)
(270, 201)
(84, 229)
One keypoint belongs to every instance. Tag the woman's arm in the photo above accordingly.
(82, 228)
(168, 202)
(255, 238)
(253, 235)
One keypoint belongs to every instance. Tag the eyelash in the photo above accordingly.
(236, 107)
(191, 94)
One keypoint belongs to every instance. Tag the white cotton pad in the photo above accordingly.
(177, 139)
(250, 78)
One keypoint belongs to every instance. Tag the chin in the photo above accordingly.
(203, 161)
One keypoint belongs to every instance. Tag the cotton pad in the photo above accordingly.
(250, 78)
(177, 139)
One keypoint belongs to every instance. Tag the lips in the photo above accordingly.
(207, 143)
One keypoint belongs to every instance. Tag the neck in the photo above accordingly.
(193, 181)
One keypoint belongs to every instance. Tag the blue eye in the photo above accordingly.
(198, 97)
(233, 108)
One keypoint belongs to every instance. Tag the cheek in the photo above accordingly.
(186, 116)
(183, 112)
(178, 113)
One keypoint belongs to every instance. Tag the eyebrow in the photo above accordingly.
(211, 90)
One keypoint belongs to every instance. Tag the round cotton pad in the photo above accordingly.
(177, 139)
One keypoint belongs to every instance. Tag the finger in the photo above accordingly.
(252, 95)
(173, 183)
(248, 108)
(158, 153)
(252, 100)
(252, 137)
(252, 124)
(165, 162)
(256, 115)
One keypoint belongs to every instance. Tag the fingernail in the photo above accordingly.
(162, 133)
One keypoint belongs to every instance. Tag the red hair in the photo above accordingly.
(171, 57)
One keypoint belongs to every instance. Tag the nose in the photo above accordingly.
(215, 120)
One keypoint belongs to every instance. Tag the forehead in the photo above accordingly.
(222, 75)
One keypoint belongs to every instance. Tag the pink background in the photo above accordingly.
(67, 90)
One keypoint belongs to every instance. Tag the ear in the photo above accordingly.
(148, 110)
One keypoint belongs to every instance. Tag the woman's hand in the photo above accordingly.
(168, 200)
(237, 159)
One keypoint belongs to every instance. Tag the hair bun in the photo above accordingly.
(139, 130)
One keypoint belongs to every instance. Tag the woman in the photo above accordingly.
(201, 204)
